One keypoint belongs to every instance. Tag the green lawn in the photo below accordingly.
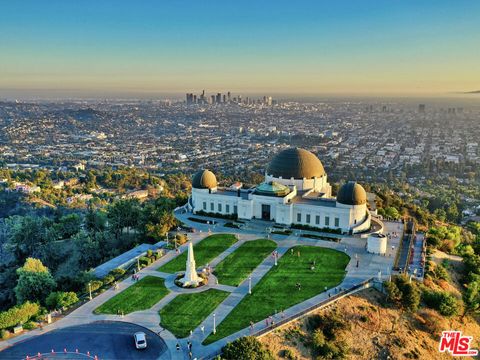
(204, 252)
(277, 289)
(187, 311)
(238, 265)
(140, 296)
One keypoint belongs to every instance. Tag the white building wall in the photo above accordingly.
(349, 217)
(332, 213)
(245, 209)
(319, 184)
(220, 202)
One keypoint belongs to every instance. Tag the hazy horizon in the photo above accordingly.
(349, 48)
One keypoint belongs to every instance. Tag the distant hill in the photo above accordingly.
(88, 114)
(473, 92)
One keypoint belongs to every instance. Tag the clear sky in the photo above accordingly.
(304, 47)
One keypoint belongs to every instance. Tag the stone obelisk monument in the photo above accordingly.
(191, 277)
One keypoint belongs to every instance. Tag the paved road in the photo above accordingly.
(106, 339)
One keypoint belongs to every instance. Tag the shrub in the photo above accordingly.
(181, 239)
(313, 228)
(94, 285)
(144, 261)
(218, 215)
(61, 299)
(247, 347)
(4, 334)
(444, 302)
(448, 305)
(108, 279)
(117, 272)
(149, 253)
(29, 325)
(441, 273)
(288, 354)
(318, 339)
(18, 314)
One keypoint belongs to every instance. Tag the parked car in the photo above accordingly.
(140, 340)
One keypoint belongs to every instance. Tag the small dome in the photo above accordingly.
(295, 163)
(272, 188)
(204, 179)
(352, 193)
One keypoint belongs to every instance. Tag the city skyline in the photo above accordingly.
(60, 49)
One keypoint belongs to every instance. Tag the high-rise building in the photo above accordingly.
(421, 108)
(229, 96)
(218, 100)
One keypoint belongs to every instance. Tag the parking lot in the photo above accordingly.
(106, 339)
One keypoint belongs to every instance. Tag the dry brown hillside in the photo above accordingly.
(374, 331)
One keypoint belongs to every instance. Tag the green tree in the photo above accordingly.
(34, 282)
(247, 347)
(61, 299)
(471, 298)
(27, 232)
(392, 213)
(448, 305)
(69, 225)
(123, 214)
(95, 220)
(394, 294)
(411, 297)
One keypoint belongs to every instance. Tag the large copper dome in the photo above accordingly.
(295, 163)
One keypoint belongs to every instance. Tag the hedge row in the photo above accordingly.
(18, 314)
(313, 228)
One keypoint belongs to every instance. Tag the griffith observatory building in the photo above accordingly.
(295, 191)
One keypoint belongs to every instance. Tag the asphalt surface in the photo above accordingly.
(106, 339)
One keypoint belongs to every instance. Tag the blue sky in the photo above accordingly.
(308, 47)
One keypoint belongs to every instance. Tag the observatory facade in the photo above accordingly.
(295, 191)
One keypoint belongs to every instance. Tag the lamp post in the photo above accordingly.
(250, 285)
(214, 325)
(90, 290)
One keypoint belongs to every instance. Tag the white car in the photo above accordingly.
(140, 340)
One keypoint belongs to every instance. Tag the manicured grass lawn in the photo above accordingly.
(238, 265)
(277, 289)
(140, 296)
(204, 252)
(187, 311)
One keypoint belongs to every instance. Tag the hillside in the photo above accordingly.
(373, 331)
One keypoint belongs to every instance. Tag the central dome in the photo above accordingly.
(295, 163)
